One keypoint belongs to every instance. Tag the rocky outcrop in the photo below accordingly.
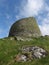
(22, 38)
(36, 51)
(31, 52)
(20, 58)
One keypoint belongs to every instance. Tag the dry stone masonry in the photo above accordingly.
(26, 27)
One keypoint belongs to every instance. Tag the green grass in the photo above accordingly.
(10, 48)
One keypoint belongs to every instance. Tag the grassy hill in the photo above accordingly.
(9, 48)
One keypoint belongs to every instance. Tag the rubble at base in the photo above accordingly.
(31, 52)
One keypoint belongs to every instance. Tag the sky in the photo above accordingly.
(13, 10)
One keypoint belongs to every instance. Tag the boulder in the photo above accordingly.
(20, 58)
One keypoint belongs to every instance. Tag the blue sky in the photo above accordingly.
(13, 10)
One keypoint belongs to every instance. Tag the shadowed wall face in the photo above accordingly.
(26, 27)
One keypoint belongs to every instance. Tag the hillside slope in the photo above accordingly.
(10, 47)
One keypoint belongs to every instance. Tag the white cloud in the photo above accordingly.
(45, 25)
(47, 7)
(34, 8)
(31, 8)
(17, 17)
(45, 29)
(45, 20)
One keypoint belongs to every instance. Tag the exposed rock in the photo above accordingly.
(31, 52)
(11, 38)
(20, 58)
(22, 38)
(37, 54)
(23, 57)
(36, 51)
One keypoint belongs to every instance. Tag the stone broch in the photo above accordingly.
(26, 27)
